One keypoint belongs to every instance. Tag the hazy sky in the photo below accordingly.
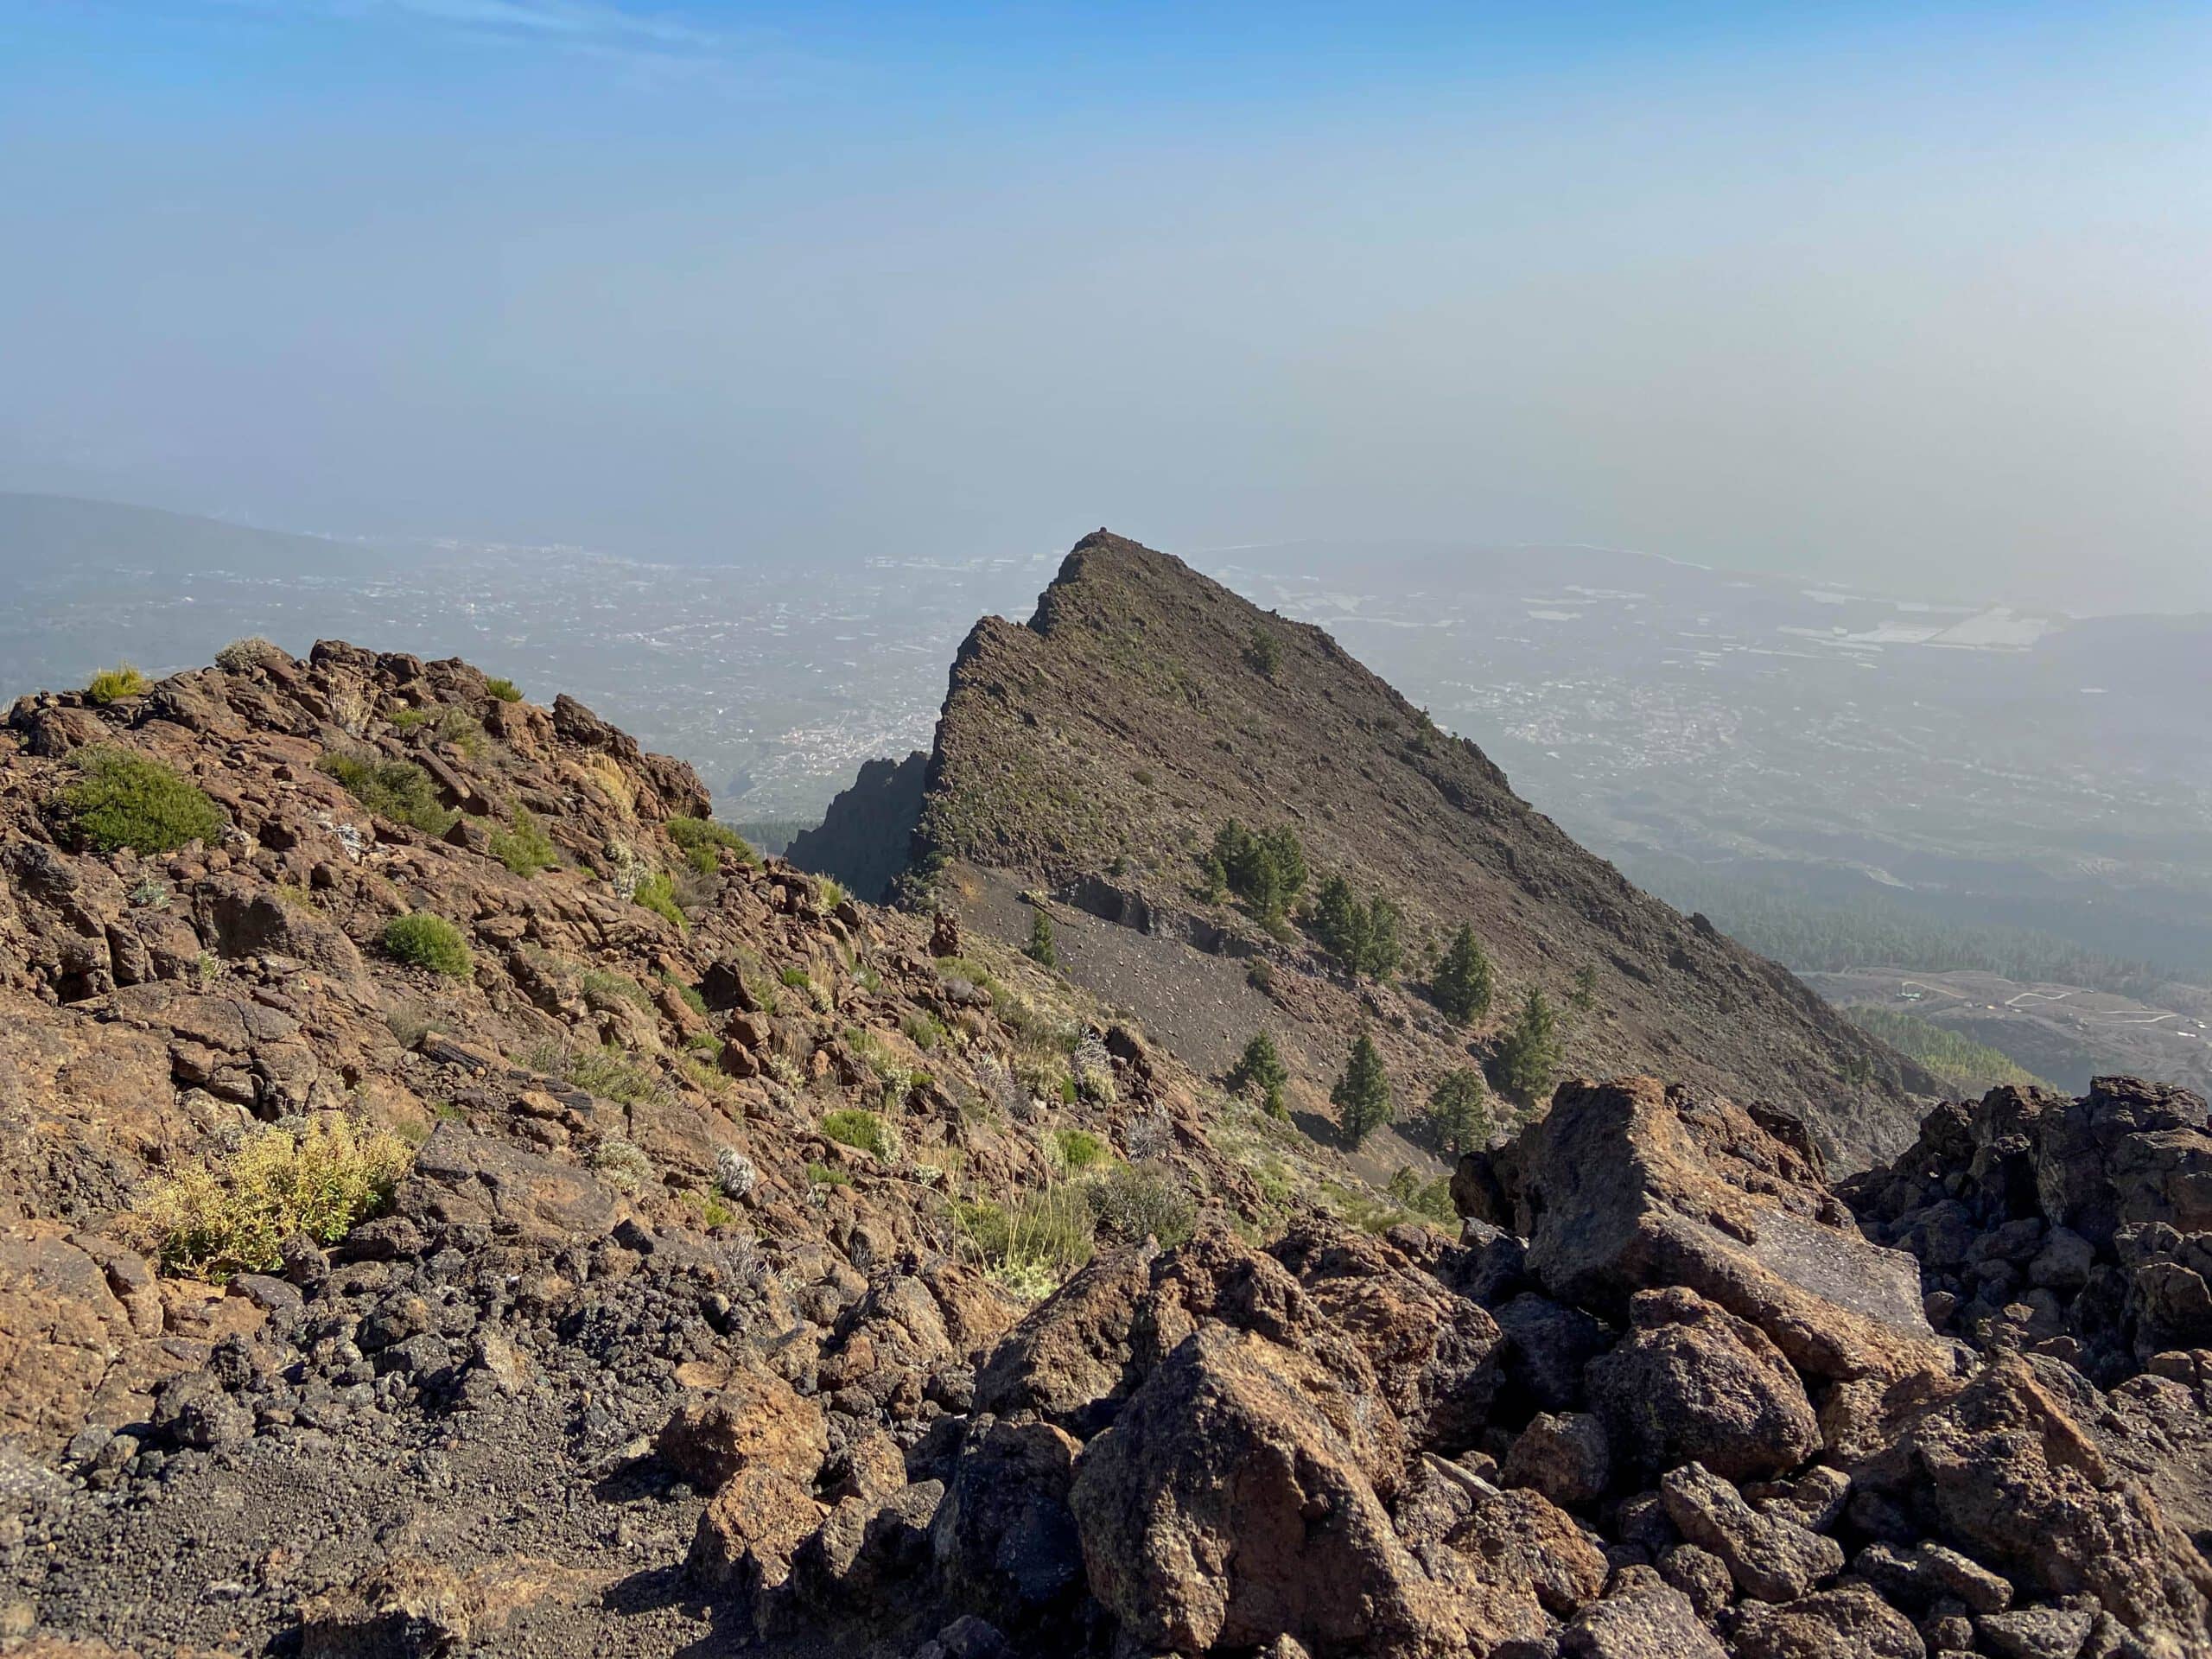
(1917, 296)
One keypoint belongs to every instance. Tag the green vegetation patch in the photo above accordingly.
(1033, 1244)
(421, 940)
(398, 790)
(505, 690)
(214, 1220)
(656, 893)
(1972, 1068)
(702, 841)
(112, 684)
(864, 1130)
(124, 800)
(1137, 1201)
(524, 847)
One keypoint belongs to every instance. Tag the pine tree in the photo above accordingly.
(1463, 983)
(1381, 950)
(1040, 948)
(1459, 1107)
(1362, 1095)
(1529, 1057)
(1260, 1066)
(1584, 995)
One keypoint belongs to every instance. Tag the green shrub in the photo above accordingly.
(1458, 1110)
(1528, 1056)
(1260, 1066)
(701, 841)
(866, 1131)
(1034, 1243)
(1362, 1095)
(1261, 975)
(1041, 949)
(694, 999)
(1430, 1199)
(408, 720)
(525, 847)
(606, 1070)
(421, 940)
(124, 800)
(1137, 1201)
(656, 893)
(464, 731)
(829, 892)
(323, 1179)
(112, 684)
(1462, 983)
(823, 1175)
(1264, 653)
(796, 979)
(603, 987)
(1080, 1148)
(398, 790)
(505, 690)
(924, 1031)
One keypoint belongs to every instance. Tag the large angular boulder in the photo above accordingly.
(1631, 1186)
(1229, 1505)
(1693, 1384)
(2010, 1475)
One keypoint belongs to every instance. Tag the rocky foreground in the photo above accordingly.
(639, 1357)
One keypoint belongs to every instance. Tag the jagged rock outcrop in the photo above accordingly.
(866, 836)
(1094, 752)
(1779, 1457)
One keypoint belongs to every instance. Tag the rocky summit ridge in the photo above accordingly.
(456, 1200)
(1090, 756)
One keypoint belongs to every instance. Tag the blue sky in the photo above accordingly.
(1910, 295)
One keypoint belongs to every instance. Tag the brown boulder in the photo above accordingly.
(1769, 1556)
(2010, 1476)
(1849, 1622)
(1693, 1384)
(756, 1419)
(1226, 1507)
(1631, 1186)
(748, 1531)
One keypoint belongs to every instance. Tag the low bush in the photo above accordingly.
(112, 684)
(1031, 1244)
(609, 1070)
(656, 893)
(524, 847)
(124, 800)
(409, 720)
(864, 1130)
(505, 690)
(823, 1175)
(924, 1030)
(398, 790)
(1137, 1201)
(603, 987)
(702, 841)
(1080, 1148)
(421, 940)
(322, 1178)
(622, 1164)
